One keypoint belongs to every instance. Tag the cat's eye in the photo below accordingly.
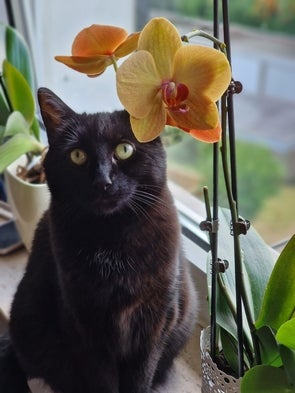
(124, 151)
(78, 156)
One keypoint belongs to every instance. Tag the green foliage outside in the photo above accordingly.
(273, 15)
(260, 173)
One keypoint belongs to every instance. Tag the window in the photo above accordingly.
(263, 59)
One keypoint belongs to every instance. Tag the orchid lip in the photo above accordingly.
(183, 108)
(174, 94)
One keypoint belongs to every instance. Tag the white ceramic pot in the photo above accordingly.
(28, 202)
(213, 379)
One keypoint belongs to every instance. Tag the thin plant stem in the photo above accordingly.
(214, 234)
(241, 295)
(231, 306)
(237, 254)
(200, 33)
(114, 62)
(213, 300)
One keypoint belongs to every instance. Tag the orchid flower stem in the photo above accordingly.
(241, 295)
(232, 309)
(237, 255)
(213, 300)
(200, 33)
(115, 64)
(223, 289)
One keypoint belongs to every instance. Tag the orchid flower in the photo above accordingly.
(98, 46)
(168, 82)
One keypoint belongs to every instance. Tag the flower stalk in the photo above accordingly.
(200, 33)
(242, 302)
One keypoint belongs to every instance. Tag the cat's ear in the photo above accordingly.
(53, 110)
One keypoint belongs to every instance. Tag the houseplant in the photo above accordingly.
(170, 82)
(20, 137)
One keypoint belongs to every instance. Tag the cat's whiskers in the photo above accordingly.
(148, 197)
(138, 209)
(141, 200)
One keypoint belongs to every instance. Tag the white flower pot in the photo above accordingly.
(28, 202)
(213, 379)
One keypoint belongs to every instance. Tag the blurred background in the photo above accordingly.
(263, 60)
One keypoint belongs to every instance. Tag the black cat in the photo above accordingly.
(106, 302)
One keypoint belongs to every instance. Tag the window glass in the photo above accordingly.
(263, 59)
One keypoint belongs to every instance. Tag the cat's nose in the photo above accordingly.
(107, 185)
(103, 178)
(103, 183)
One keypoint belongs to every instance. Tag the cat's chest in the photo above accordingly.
(126, 327)
(107, 262)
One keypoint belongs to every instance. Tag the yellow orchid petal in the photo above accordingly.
(162, 40)
(128, 46)
(91, 65)
(98, 40)
(138, 83)
(202, 115)
(208, 136)
(205, 71)
(150, 127)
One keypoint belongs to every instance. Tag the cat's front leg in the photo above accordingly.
(137, 374)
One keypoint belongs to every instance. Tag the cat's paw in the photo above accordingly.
(37, 385)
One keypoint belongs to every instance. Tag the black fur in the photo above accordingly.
(106, 302)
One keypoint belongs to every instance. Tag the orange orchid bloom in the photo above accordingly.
(168, 82)
(98, 46)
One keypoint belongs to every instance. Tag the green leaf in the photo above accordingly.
(18, 54)
(16, 146)
(230, 349)
(16, 123)
(286, 334)
(4, 111)
(35, 129)
(19, 92)
(279, 299)
(2, 129)
(269, 348)
(288, 356)
(257, 260)
(266, 379)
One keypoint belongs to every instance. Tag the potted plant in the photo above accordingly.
(168, 82)
(20, 138)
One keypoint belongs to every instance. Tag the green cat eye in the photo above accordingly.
(78, 156)
(124, 151)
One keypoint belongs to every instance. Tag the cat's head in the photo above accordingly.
(94, 163)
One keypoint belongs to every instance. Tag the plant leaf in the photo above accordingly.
(269, 348)
(4, 111)
(279, 298)
(230, 349)
(288, 356)
(286, 334)
(258, 261)
(16, 146)
(16, 123)
(18, 54)
(19, 92)
(35, 129)
(266, 379)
